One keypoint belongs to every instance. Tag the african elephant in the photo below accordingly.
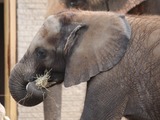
(118, 56)
(121, 6)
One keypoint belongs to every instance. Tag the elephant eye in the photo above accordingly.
(75, 3)
(41, 53)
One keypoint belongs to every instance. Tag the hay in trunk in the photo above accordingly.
(42, 80)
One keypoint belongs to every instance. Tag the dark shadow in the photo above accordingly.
(2, 53)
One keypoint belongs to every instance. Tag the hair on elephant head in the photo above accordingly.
(72, 47)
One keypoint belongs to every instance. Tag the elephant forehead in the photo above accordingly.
(52, 25)
(49, 30)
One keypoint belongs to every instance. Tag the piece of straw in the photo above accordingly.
(42, 80)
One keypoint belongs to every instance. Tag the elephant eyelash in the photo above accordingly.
(75, 3)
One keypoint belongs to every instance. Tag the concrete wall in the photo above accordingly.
(30, 16)
(72, 102)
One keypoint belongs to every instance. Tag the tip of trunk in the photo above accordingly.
(32, 89)
(25, 93)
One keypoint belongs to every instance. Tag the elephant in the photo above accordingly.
(120, 6)
(118, 56)
(137, 7)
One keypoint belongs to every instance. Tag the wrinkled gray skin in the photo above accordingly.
(119, 61)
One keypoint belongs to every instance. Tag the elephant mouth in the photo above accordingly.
(26, 93)
(39, 87)
(30, 92)
(33, 90)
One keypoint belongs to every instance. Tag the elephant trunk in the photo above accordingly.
(23, 91)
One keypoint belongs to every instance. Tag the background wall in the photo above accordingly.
(29, 19)
(72, 102)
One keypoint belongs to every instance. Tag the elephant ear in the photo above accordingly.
(123, 6)
(98, 49)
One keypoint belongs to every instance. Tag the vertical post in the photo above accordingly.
(10, 53)
(6, 44)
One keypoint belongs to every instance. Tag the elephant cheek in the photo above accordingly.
(27, 97)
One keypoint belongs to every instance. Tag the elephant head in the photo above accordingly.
(73, 46)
